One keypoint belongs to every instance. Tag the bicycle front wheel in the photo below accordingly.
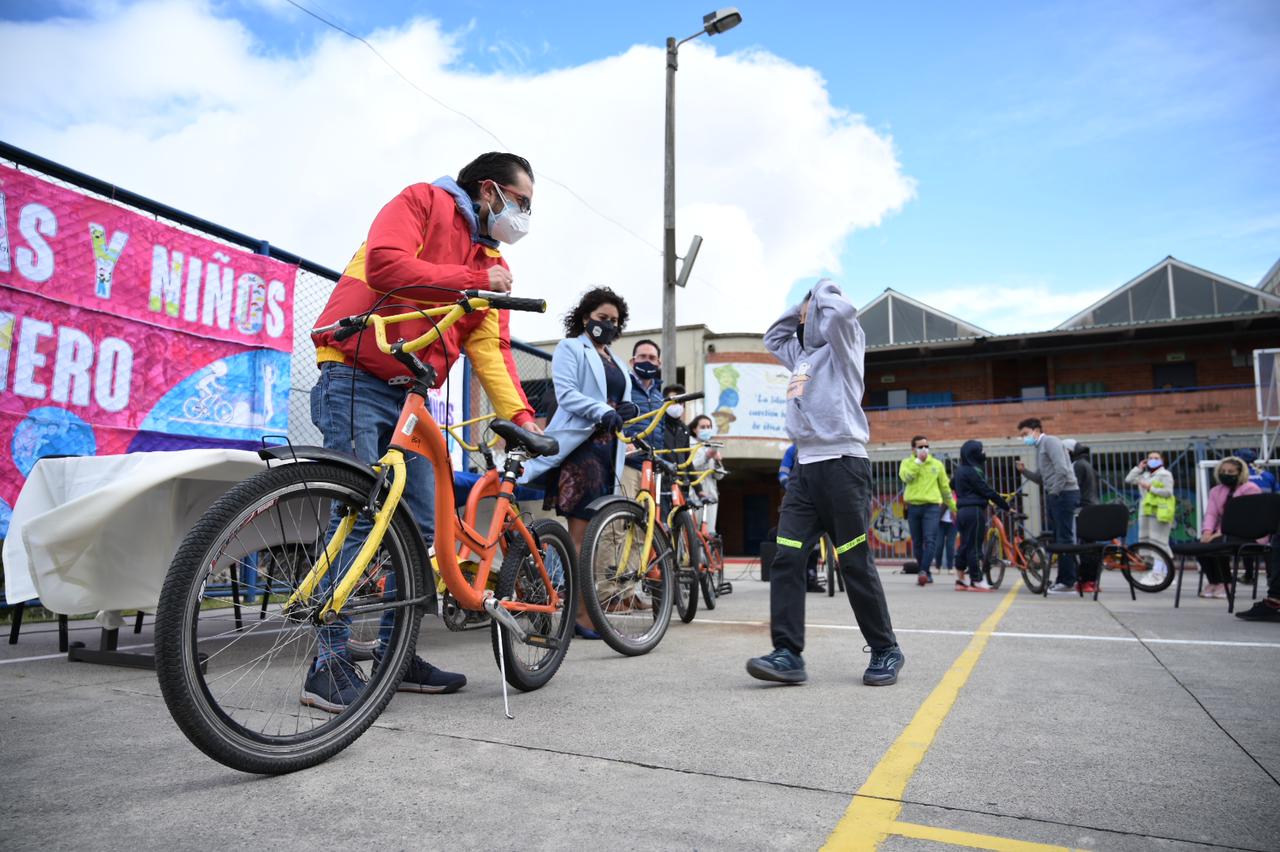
(1035, 567)
(993, 559)
(1147, 567)
(532, 662)
(250, 695)
(627, 598)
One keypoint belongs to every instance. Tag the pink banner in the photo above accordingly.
(120, 334)
(61, 245)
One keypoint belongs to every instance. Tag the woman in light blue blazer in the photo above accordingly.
(591, 385)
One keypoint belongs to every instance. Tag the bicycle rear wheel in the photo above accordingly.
(1035, 567)
(1147, 567)
(716, 556)
(686, 580)
(531, 663)
(628, 601)
(687, 528)
(238, 692)
(994, 560)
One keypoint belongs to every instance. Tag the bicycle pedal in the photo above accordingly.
(540, 640)
(725, 588)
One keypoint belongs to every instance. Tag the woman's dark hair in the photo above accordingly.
(575, 322)
(693, 425)
(494, 166)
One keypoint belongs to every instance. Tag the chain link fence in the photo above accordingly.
(1113, 461)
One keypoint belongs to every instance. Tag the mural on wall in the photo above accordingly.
(119, 334)
(750, 399)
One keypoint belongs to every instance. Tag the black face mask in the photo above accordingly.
(800, 334)
(600, 332)
(1228, 479)
(647, 371)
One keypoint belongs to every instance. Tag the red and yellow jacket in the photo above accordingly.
(422, 237)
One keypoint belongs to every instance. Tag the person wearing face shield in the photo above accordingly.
(1158, 506)
(424, 247)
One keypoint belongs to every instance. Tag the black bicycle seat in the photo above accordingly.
(535, 445)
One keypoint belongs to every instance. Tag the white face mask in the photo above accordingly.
(676, 411)
(509, 225)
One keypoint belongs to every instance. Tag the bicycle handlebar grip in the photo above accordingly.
(688, 397)
(514, 303)
(347, 331)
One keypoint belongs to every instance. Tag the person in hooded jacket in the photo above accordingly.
(1232, 476)
(973, 493)
(1082, 465)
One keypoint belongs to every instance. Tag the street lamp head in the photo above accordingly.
(721, 20)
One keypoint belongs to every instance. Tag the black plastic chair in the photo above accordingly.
(1244, 520)
(1097, 527)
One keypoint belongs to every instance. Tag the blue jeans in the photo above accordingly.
(923, 519)
(376, 411)
(1062, 509)
(945, 553)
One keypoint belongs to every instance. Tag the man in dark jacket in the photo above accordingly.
(1082, 464)
(972, 495)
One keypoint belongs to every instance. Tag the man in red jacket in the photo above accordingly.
(425, 245)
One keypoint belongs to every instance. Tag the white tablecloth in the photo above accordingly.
(98, 532)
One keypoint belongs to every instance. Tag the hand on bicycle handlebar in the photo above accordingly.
(500, 279)
(612, 421)
(627, 410)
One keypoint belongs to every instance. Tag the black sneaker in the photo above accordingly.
(421, 676)
(1260, 611)
(884, 667)
(333, 686)
(782, 666)
(424, 677)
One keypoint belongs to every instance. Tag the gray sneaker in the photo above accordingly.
(1062, 589)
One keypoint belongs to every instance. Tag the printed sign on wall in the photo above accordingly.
(748, 399)
(119, 334)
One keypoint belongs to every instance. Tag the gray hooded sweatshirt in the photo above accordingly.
(824, 397)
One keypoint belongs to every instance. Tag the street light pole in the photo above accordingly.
(712, 23)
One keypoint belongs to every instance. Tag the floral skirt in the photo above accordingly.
(587, 474)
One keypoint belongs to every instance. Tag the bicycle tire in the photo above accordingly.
(993, 559)
(607, 587)
(831, 564)
(529, 666)
(716, 556)
(685, 588)
(246, 710)
(702, 563)
(1035, 567)
(1148, 579)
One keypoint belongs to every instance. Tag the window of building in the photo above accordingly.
(1150, 297)
(1192, 293)
(1168, 376)
(875, 324)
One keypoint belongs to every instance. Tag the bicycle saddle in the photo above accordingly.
(534, 445)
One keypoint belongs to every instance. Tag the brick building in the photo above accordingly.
(1165, 361)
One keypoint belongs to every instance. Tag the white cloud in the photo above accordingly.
(1012, 309)
(172, 101)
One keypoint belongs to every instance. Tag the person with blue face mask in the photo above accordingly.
(704, 430)
(1055, 474)
(1158, 506)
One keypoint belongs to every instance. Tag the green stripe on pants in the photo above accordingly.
(850, 545)
(790, 542)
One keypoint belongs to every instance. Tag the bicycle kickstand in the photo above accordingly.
(502, 667)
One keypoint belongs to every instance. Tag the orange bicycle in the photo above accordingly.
(355, 553)
(1024, 551)
(711, 567)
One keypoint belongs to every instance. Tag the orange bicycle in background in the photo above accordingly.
(1024, 551)
(355, 553)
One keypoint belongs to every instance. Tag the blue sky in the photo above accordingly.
(1056, 148)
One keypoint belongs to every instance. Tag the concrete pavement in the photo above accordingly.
(1116, 725)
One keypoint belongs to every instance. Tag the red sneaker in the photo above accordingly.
(1089, 588)
(921, 579)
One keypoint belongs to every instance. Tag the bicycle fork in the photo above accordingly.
(392, 462)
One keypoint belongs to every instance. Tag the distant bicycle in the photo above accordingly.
(1023, 551)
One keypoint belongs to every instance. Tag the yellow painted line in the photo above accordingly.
(972, 841)
(874, 810)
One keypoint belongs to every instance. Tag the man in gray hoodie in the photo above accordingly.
(829, 491)
(1062, 495)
